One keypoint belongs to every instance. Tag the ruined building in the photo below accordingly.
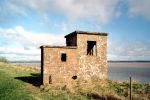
(84, 57)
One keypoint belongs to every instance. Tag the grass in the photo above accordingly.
(23, 83)
(11, 89)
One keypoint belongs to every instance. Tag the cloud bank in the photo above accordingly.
(102, 11)
(98, 10)
(19, 44)
(139, 8)
(133, 50)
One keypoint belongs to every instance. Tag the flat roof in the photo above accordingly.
(66, 47)
(88, 33)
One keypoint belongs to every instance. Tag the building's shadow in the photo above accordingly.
(34, 79)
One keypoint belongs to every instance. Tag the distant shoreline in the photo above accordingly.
(109, 61)
(128, 61)
(25, 61)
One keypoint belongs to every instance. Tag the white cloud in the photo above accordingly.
(139, 8)
(98, 10)
(19, 51)
(9, 10)
(15, 8)
(129, 50)
(30, 39)
(101, 11)
(29, 43)
(14, 54)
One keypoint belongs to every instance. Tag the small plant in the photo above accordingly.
(137, 88)
(3, 59)
(147, 88)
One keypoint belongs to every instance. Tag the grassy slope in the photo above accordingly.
(16, 84)
(22, 83)
(11, 88)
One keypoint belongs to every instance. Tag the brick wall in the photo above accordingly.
(55, 70)
(78, 64)
(92, 66)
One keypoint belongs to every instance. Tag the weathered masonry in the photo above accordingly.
(83, 58)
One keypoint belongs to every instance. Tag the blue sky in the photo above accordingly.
(27, 24)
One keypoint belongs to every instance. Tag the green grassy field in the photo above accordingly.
(23, 83)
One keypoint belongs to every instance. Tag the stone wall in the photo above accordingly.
(56, 71)
(92, 67)
(79, 65)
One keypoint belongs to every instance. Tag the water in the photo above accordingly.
(30, 64)
(139, 71)
(121, 71)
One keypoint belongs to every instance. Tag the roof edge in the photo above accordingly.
(66, 47)
(86, 32)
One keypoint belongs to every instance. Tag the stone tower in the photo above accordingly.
(84, 57)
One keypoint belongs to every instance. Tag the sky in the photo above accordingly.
(25, 25)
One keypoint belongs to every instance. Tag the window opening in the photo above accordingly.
(63, 57)
(91, 48)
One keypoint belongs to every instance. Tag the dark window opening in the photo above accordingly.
(63, 57)
(68, 43)
(50, 79)
(91, 48)
(74, 77)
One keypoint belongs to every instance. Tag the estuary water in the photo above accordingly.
(121, 71)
